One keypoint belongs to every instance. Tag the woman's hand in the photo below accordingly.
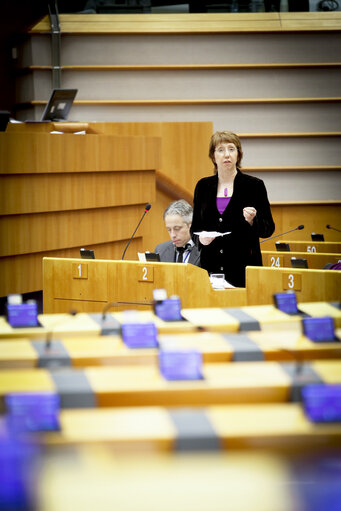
(249, 214)
(205, 240)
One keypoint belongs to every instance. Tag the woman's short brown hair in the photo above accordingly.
(223, 137)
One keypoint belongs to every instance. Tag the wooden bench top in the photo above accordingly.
(200, 23)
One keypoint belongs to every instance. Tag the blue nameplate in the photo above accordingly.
(18, 474)
(181, 364)
(139, 335)
(168, 309)
(286, 302)
(322, 402)
(32, 411)
(319, 329)
(22, 315)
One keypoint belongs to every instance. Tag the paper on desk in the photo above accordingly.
(55, 132)
(212, 234)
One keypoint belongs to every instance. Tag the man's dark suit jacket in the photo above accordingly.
(167, 253)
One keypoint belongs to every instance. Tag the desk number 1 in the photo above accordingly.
(79, 271)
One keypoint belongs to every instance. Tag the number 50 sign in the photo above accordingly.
(292, 281)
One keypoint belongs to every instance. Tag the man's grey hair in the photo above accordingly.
(182, 208)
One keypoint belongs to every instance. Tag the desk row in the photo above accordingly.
(281, 426)
(92, 350)
(225, 383)
(260, 317)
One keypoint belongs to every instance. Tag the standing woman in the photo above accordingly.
(230, 201)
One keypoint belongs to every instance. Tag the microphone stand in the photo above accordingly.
(299, 228)
(118, 304)
(147, 208)
(333, 228)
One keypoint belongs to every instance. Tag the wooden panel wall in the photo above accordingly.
(270, 77)
(184, 148)
(59, 193)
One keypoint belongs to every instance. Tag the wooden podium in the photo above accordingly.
(87, 285)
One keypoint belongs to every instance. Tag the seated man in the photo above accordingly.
(181, 249)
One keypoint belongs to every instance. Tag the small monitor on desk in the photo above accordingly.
(299, 262)
(59, 105)
(282, 246)
(87, 253)
(152, 257)
(317, 236)
(4, 118)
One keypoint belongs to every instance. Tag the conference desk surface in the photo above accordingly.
(282, 426)
(258, 317)
(314, 260)
(312, 246)
(225, 383)
(87, 350)
(89, 477)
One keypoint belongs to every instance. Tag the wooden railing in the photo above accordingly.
(193, 23)
(171, 188)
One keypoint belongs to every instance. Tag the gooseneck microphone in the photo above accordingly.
(333, 228)
(299, 228)
(146, 209)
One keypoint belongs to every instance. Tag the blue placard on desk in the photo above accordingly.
(22, 315)
(286, 302)
(32, 411)
(168, 309)
(319, 329)
(322, 402)
(180, 364)
(18, 474)
(139, 335)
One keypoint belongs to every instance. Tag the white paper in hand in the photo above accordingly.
(211, 234)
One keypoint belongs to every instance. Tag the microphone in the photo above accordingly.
(299, 228)
(333, 228)
(146, 209)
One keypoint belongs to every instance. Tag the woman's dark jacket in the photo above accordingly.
(230, 254)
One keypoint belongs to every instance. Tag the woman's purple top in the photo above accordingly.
(222, 203)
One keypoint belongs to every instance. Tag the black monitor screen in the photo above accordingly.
(4, 118)
(59, 105)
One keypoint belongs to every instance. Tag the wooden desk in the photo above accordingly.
(55, 326)
(315, 260)
(245, 319)
(225, 383)
(188, 479)
(88, 285)
(281, 426)
(89, 351)
(309, 285)
(313, 246)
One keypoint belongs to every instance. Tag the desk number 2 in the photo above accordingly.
(146, 274)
